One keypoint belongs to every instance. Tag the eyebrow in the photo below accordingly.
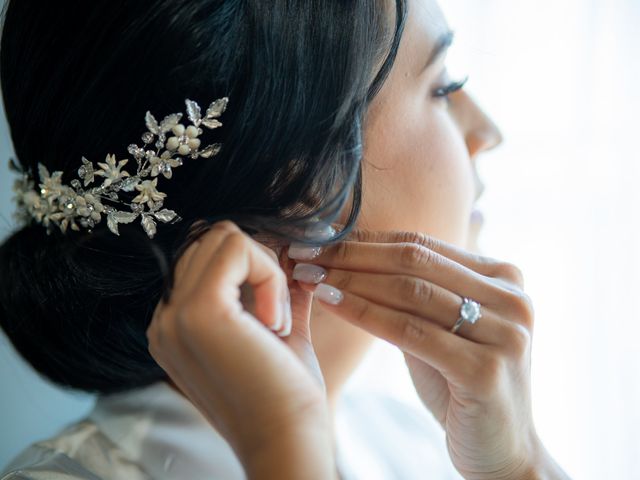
(443, 43)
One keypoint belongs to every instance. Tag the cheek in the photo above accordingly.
(417, 176)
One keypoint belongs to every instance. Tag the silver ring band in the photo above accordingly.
(457, 325)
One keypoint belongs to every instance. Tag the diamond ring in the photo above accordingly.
(469, 312)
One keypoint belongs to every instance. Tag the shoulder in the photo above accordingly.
(79, 452)
(39, 463)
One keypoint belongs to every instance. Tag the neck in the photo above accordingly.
(339, 346)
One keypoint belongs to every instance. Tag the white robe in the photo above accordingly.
(156, 433)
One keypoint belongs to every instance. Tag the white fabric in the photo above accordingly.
(156, 433)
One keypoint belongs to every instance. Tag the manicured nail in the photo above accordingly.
(287, 328)
(286, 315)
(328, 294)
(278, 325)
(288, 322)
(300, 251)
(305, 272)
(319, 231)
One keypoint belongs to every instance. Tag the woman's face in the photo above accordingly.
(420, 149)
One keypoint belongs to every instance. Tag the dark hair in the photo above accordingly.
(77, 78)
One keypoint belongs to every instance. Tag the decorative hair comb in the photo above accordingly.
(71, 206)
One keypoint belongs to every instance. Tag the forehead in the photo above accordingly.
(429, 13)
(425, 25)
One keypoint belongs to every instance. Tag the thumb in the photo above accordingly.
(299, 339)
(301, 301)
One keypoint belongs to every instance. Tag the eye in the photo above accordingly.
(445, 91)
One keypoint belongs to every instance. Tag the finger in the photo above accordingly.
(285, 329)
(189, 270)
(239, 260)
(301, 303)
(413, 260)
(452, 355)
(484, 265)
(268, 251)
(257, 240)
(187, 372)
(209, 242)
(183, 262)
(420, 298)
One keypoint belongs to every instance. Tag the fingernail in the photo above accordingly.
(320, 231)
(278, 325)
(305, 272)
(288, 321)
(300, 251)
(328, 294)
(287, 329)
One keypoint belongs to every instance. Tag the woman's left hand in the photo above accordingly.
(407, 288)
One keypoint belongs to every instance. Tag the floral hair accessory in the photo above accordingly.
(73, 206)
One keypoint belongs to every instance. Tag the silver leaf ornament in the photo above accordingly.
(169, 122)
(211, 123)
(193, 110)
(149, 225)
(152, 123)
(165, 215)
(216, 108)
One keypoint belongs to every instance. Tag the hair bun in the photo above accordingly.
(76, 315)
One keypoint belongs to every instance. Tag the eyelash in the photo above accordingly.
(444, 92)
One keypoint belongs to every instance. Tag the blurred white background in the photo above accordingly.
(560, 79)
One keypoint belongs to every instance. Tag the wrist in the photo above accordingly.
(294, 455)
(542, 466)
(304, 449)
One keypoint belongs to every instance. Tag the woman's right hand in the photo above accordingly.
(264, 394)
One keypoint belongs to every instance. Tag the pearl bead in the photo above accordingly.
(178, 130)
(173, 143)
(192, 131)
(184, 150)
(194, 143)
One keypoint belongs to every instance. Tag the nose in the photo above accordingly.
(480, 132)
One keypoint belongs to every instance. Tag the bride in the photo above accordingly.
(228, 286)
